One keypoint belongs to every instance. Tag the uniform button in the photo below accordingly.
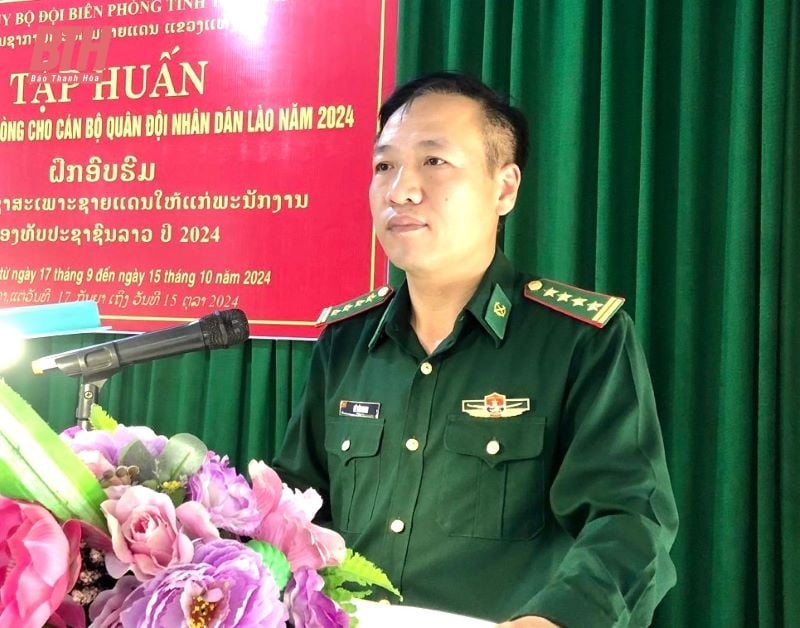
(426, 368)
(397, 526)
(534, 285)
(492, 447)
(345, 445)
(412, 444)
(382, 292)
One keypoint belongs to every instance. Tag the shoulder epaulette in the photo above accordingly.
(335, 313)
(594, 308)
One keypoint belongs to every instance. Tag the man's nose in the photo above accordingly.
(405, 188)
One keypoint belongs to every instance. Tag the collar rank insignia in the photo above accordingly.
(333, 314)
(594, 308)
(495, 406)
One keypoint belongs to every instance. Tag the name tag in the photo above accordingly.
(362, 409)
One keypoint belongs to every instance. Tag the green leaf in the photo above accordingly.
(102, 420)
(38, 466)
(351, 610)
(274, 559)
(135, 453)
(178, 495)
(182, 456)
(355, 569)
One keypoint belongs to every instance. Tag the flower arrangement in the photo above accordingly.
(119, 527)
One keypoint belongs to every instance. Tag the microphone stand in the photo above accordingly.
(87, 396)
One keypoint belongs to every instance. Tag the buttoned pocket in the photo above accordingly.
(354, 469)
(495, 486)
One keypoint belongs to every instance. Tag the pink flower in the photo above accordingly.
(109, 444)
(226, 585)
(98, 464)
(145, 534)
(107, 606)
(309, 606)
(226, 495)
(69, 615)
(196, 522)
(39, 563)
(287, 522)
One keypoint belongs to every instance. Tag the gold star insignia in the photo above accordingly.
(335, 311)
(564, 296)
(499, 309)
(579, 301)
(594, 306)
(550, 292)
(370, 298)
(348, 307)
(360, 302)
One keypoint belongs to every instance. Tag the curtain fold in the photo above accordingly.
(664, 167)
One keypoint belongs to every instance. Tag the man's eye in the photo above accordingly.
(381, 167)
(434, 161)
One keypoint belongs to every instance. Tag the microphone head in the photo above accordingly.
(224, 329)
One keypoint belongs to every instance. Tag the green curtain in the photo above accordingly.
(238, 400)
(665, 167)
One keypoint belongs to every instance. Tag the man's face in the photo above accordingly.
(435, 204)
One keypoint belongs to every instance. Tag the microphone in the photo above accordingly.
(215, 331)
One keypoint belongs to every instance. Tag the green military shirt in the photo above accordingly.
(519, 469)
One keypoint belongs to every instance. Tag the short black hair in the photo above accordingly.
(507, 132)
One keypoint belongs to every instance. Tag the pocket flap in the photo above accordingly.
(353, 438)
(496, 440)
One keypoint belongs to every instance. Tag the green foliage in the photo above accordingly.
(102, 420)
(177, 494)
(136, 454)
(275, 560)
(38, 466)
(342, 583)
(182, 456)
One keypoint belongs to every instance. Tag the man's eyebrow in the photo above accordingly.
(427, 144)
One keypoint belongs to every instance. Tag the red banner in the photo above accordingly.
(168, 158)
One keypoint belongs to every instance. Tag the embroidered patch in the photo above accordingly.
(495, 406)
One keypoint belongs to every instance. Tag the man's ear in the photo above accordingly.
(509, 177)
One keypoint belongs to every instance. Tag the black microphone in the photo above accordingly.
(215, 331)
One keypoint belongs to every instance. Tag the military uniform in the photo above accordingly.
(517, 470)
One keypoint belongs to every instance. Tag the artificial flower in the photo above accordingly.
(308, 606)
(226, 495)
(287, 522)
(166, 503)
(226, 585)
(104, 447)
(145, 534)
(39, 563)
(107, 606)
(69, 614)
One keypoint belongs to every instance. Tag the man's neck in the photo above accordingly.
(435, 306)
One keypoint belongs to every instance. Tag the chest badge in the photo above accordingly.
(361, 409)
(495, 406)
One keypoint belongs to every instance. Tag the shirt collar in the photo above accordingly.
(491, 303)
(490, 306)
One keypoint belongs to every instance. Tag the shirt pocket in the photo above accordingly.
(354, 469)
(494, 487)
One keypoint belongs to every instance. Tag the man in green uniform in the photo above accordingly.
(488, 438)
